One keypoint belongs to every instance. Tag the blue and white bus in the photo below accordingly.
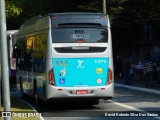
(66, 55)
(11, 41)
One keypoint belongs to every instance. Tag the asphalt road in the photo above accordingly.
(127, 104)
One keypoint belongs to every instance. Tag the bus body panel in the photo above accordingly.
(11, 41)
(73, 72)
(37, 72)
(78, 18)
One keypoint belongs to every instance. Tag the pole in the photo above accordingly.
(0, 82)
(4, 53)
(104, 6)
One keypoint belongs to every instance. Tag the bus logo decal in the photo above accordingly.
(61, 80)
(62, 63)
(62, 72)
(80, 64)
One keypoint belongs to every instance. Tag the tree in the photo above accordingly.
(119, 11)
(140, 10)
(13, 8)
(114, 7)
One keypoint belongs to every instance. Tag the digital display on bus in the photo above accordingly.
(72, 35)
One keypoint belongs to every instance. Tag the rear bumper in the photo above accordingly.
(98, 92)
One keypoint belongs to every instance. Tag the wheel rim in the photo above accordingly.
(21, 86)
(36, 98)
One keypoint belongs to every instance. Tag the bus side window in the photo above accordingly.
(16, 55)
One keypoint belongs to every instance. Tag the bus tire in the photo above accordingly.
(21, 89)
(36, 99)
(21, 86)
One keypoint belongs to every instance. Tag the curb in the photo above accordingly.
(138, 88)
(41, 118)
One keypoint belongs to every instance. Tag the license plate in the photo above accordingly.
(81, 91)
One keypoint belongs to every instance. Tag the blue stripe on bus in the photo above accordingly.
(71, 72)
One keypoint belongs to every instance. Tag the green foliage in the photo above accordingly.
(92, 7)
(13, 9)
(114, 7)
(127, 11)
(135, 11)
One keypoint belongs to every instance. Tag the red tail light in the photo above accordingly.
(109, 80)
(51, 78)
(53, 17)
(104, 16)
(12, 62)
(80, 41)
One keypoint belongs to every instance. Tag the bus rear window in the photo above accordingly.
(73, 35)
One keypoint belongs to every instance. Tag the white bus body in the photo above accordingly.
(11, 41)
(66, 55)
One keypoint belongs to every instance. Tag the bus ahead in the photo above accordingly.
(11, 41)
(66, 55)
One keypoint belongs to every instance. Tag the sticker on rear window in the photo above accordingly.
(99, 70)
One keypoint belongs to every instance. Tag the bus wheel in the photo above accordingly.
(36, 100)
(35, 93)
(21, 88)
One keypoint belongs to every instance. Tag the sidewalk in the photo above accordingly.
(139, 84)
(20, 109)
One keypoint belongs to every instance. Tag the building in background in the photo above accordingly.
(137, 39)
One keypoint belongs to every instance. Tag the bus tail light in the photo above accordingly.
(109, 79)
(13, 63)
(104, 16)
(54, 17)
(51, 78)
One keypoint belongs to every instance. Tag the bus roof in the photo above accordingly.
(41, 22)
(78, 18)
(12, 32)
(78, 15)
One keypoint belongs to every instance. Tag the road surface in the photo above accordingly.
(127, 104)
